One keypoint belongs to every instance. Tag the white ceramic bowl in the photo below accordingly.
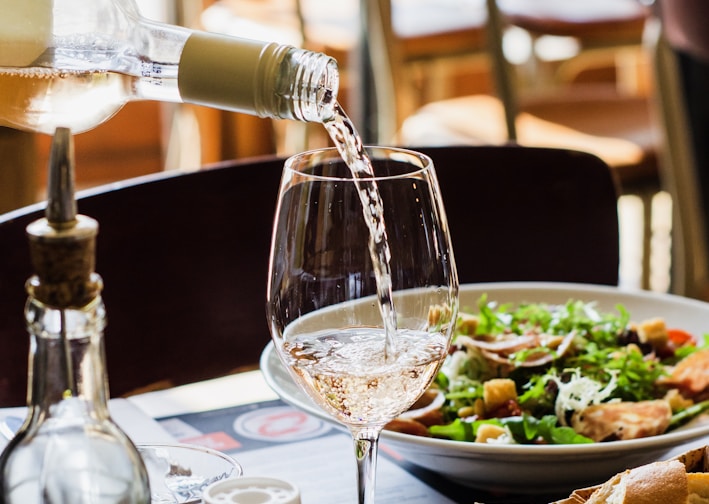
(534, 468)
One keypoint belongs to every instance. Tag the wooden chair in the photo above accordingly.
(415, 49)
(521, 214)
(608, 34)
(615, 127)
(599, 120)
(183, 258)
(184, 255)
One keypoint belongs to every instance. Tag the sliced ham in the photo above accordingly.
(623, 420)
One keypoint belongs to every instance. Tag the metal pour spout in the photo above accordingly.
(61, 204)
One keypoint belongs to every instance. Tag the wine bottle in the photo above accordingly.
(69, 450)
(72, 63)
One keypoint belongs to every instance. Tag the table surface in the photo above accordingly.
(243, 403)
(202, 412)
(241, 416)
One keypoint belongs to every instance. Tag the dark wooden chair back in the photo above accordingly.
(529, 214)
(184, 256)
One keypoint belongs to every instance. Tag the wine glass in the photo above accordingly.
(363, 349)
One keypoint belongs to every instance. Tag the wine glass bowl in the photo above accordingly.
(337, 356)
(363, 340)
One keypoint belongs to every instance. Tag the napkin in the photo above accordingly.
(139, 426)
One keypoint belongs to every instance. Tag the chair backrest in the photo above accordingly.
(529, 214)
(184, 255)
(680, 50)
(183, 258)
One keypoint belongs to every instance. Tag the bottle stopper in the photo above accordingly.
(63, 244)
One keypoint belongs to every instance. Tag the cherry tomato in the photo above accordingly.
(680, 337)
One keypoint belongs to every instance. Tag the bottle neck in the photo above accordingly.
(67, 359)
(265, 79)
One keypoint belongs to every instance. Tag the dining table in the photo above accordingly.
(241, 416)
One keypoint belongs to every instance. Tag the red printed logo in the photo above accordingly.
(220, 441)
(279, 424)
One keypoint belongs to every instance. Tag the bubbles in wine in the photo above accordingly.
(348, 374)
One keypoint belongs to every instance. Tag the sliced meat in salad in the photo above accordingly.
(559, 374)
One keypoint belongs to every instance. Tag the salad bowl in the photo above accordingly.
(537, 468)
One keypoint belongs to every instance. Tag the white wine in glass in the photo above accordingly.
(363, 290)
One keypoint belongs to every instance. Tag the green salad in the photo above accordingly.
(561, 374)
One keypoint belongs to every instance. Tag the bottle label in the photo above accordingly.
(25, 31)
(151, 73)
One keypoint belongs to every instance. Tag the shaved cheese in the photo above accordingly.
(25, 31)
(453, 365)
(580, 392)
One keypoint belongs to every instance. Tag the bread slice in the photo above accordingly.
(664, 482)
(683, 480)
(659, 482)
(604, 492)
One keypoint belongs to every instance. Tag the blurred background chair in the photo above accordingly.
(184, 255)
(595, 117)
(599, 40)
(680, 43)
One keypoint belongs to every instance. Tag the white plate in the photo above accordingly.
(533, 468)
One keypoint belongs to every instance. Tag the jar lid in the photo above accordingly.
(254, 490)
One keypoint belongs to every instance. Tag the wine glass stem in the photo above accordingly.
(366, 443)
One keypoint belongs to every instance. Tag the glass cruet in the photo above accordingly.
(68, 450)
